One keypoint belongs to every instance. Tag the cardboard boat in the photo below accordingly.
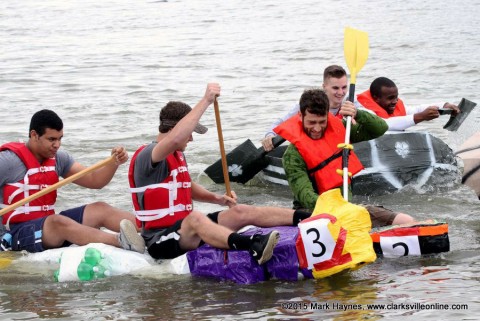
(392, 162)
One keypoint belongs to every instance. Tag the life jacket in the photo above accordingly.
(367, 101)
(165, 202)
(322, 156)
(36, 178)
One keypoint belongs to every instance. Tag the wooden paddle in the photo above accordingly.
(356, 54)
(61, 183)
(222, 148)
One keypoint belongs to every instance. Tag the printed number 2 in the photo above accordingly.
(402, 244)
(316, 241)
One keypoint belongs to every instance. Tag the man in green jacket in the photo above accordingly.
(312, 157)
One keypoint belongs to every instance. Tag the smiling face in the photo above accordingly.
(314, 125)
(387, 99)
(336, 89)
(47, 145)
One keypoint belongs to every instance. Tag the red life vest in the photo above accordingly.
(36, 178)
(165, 202)
(367, 101)
(322, 153)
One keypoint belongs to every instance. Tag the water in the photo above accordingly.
(107, 67)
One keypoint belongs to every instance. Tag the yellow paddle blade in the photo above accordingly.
(5, 259)
(356, 51)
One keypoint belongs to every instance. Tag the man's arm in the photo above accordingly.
(298, 180)
(368, 126)
(400, 123)
(201, 194)
(102, 176)
(426, 113)
(182, 131)
(267, 141)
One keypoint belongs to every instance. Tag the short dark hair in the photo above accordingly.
(334, 71)
(172, 113)
(44, 119)
(315, 101)
(377, 84)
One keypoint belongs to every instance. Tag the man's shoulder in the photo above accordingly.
(61, 153)
(145, 151)
(292, 157)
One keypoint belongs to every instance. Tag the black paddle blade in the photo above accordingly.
(235, 158)
(244, 162)
(466, 107)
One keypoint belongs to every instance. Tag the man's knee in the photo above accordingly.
(99, 207)
(195, 219)
(242, 210)
(57, 222)
(402, 218)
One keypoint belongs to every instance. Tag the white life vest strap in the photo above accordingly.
(151, 215)
(168, 186)
(26, 210)
(25, 187)
(41, 169)
(22, 188)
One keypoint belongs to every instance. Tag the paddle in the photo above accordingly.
(356, 54)
(6, 259)
(245, 162)
(59, 184)
(222, 148)
(465, 106)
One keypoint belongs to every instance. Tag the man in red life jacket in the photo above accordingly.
(382, 99)
(26, 168)
(335, 85)
(312, 158)
(163, 195)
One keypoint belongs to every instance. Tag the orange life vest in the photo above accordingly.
(165, 202)
(367, 101)
(322, 156)
(37, 177)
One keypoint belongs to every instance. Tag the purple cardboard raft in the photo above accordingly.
(238, 266)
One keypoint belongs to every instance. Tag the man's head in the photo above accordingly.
(314, 107)
(385, 93)
(172, 113)
(335, 84)
(45, 134)
(44, 119)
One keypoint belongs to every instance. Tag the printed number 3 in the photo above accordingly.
(316, 241)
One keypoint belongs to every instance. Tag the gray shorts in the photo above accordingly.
(380, 216)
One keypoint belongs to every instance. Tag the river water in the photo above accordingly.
(107, 67)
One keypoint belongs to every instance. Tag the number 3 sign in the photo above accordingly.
(321, 242)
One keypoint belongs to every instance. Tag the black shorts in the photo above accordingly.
(165, 243)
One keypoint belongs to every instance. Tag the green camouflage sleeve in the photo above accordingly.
(298, 180)
(368, 126)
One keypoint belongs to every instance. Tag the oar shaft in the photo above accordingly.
(61, 183)
(351, 92)
(226, 178)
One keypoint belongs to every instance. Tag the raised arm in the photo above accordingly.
(183, 130)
